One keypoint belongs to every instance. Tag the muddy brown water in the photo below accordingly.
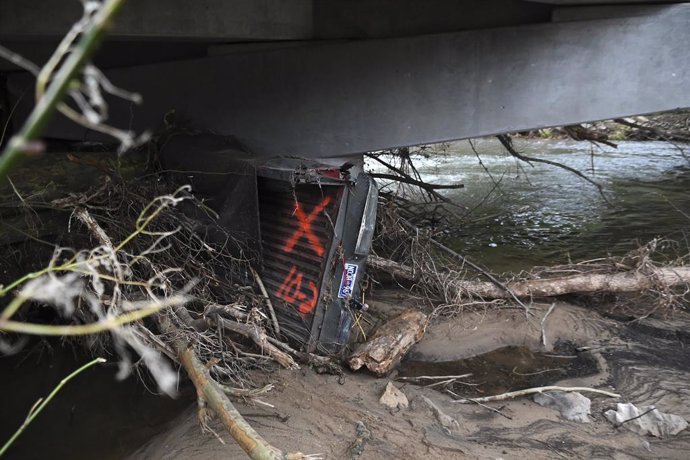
(504, 369)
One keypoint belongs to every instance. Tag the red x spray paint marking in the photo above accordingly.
(305, 228)
(291, 292)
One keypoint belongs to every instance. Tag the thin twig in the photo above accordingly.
(37, 408)
(508, 144)
(543, 320)
(458, 397)
(269, 304)
(652, 409)
(529, 391)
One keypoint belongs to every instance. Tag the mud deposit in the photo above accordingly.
(646, 362)
(505, 369)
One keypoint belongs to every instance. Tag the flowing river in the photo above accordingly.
(524, 215)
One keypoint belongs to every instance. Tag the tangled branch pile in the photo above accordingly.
(163, 280)
(413, 258)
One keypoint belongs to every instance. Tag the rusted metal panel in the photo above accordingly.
(297, 233)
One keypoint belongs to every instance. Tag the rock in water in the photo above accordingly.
(572, 406)
(653, 422)
(394, 398)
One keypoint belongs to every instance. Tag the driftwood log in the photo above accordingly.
(583, 283)
(390, 343)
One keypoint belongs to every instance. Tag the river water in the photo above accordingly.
(542, 215)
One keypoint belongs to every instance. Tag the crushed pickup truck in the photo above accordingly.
(310, 221)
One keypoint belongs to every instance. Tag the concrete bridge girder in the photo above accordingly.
(331, 98)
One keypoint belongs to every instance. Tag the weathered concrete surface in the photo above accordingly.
(345, 97)
(169, 19)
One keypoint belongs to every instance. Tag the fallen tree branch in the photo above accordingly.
(465, 262)
(392, 268)
(248, 439)
(530, 391)
(496, 411)
(267, 299)
(630, 281)
(409, 180)
(580, 133)
(260, 338)
(582, 283)
(405, 178)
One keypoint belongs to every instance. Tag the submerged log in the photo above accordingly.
(583, 283)
(390, 343)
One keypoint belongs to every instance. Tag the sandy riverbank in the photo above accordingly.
(644, 361)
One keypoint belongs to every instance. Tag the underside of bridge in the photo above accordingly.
(320, 78)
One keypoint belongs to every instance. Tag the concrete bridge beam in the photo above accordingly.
(334, 98)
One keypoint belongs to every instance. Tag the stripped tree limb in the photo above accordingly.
(530, 391)
(260, 338)
(543, 322)
(409, 180)
(630, 281)
(248, 439)
(269, 304)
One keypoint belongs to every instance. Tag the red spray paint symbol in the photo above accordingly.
(291, 292)
(305, 228)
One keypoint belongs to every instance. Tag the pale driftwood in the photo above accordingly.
(584, 283)
(267, 299)
(258, 335)
(543, 321)
(392, 268)
(390, 343)
(530, 391)
(211, 393)
(433, 377)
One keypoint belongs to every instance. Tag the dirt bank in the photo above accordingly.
(644, 361)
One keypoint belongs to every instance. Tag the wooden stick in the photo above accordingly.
(456, 396)
(529, 391)
(248, 439)
(543, 320)
(269, 304)
(261, 339)
(435, 377)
